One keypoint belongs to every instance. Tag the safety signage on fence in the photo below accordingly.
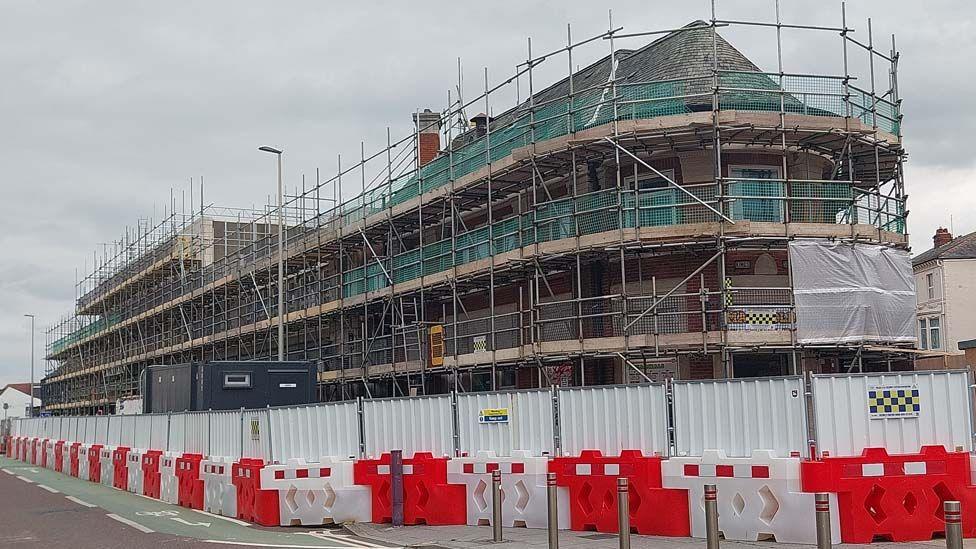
(893, 401)
(493, 415)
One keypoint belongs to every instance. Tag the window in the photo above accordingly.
(237, 381)
(650, 181)
(930, 283)
(935, 335)
(930, 333)
(748, 190)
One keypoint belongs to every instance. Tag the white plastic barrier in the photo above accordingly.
(316, 493)
(524, 498)
(83, 461)
(108, 468)
(168, 483)
(133, 470)
(49, 452)
(219, 492)
(758, 497)
(66, 458)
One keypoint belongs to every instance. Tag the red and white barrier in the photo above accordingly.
(523, 487)
(168, 483)
(108, 465)
(315, 493)
(758, 497)
(219, 492)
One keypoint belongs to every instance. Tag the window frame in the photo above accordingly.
(244, 383)
(633, 181)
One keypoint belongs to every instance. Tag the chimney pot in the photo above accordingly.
(942, 237)
(428, 124)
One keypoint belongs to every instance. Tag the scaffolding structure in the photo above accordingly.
(627, 223)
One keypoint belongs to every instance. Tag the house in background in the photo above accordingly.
(945, 285)
(15, 399)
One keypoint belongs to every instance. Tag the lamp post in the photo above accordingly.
(31, 406)
(281, 258)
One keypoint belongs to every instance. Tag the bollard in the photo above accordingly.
(396, 486)
(553, 511)
(822, 505)
(953, 520)
(711, 516)
(496, 505)
(623, 513)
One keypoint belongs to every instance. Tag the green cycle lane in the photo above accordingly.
(149, 515)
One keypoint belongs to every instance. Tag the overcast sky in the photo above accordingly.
(105, 106)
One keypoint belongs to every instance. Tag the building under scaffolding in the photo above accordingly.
(630, 222)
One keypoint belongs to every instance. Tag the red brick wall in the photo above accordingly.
(430, 144)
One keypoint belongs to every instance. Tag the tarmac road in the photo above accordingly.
(40, 508)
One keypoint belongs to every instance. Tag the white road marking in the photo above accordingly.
(131, 523)
(228, 519)
(188, 523)
(343, 538)
(8, 471)
(286, 546)
(48, 488)
(79, 502)
(25, 479)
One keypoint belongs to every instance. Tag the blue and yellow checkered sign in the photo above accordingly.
(888, 402)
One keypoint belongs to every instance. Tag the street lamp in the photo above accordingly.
(31, 407)
(281, 258)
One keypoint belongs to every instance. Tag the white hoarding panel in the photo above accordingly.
(158, 432)
(225, 434)
(114, 430)
(423, 424)
(738, 416)
(177, 432)
(197, 433)
(614, 418)
(257, 435)
(312, 432)
(502, 422)
(900, 412)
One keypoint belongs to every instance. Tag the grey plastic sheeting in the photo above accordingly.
(852, 293)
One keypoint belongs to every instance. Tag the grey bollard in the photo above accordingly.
(496, 505)
(711, 517)
(396, 486)
(822, 505)
(953, 522)
(623, 513)
(553, 511)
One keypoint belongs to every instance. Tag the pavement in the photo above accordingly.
(40, 508)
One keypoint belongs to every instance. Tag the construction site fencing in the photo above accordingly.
(740, 415)
(528, 427)
(900, 413)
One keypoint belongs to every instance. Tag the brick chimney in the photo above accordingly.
(942, 237)
(428, 125)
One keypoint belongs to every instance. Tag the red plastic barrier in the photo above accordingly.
(427, 497)
(592, 482)
(190, 490)
(120, 472)
(25, 444)
(73, 458)
(59, 456)
(94, 463)
(150, 473)
(253, 503)
(899, 497)
(34, 444)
